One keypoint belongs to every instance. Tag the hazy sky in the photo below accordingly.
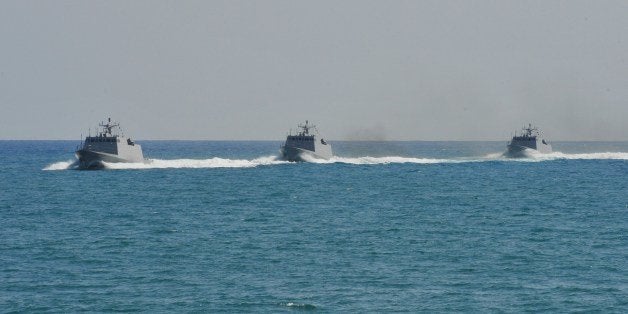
(396, 70)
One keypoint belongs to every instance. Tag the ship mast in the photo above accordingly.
(305, 128)
(107, 127)
(529, 131)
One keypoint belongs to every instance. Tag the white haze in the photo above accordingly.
(394, 70)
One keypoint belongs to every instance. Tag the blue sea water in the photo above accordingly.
(387, 226)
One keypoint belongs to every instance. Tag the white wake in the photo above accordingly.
(215, 162)
(368, 160)
(533, 155)
(218, 162)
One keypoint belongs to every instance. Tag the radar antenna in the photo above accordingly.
(530, 131)
(305, 128)
(108, 127)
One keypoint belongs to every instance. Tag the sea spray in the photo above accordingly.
(62, 165)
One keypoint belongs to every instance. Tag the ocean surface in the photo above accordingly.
(217, 226)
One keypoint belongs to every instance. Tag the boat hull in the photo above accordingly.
(299, 154)
(95, 160)
(516, 151)
(520, 151)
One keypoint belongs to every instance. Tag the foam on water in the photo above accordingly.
(215, 162)
(62, 165)
(533, 155)
(218, 162)
(367, 160)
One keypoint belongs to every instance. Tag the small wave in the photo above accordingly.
(300, 306)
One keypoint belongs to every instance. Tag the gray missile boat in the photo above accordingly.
(305, 145)
(530, 140)
(108, 146)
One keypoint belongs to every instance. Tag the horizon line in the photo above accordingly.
(331, 140)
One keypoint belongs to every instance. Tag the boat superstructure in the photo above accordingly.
(530, 138)
(305, 144)
(108, 146)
